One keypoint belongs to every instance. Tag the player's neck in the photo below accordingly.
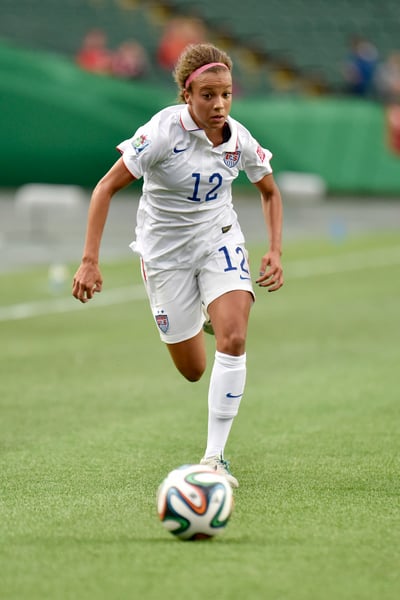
(219, 136)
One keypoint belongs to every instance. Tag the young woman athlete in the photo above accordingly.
(188, 237)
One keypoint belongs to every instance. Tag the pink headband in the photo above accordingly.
(200, 70)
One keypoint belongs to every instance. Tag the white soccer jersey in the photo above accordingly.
(186, 199)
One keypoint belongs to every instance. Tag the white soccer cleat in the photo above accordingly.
(221, 466)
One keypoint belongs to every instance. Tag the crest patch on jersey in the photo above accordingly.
(232, 158)
(162, 322)
(260, 153)
(140, 143)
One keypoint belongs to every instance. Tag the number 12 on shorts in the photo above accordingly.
(243, 266)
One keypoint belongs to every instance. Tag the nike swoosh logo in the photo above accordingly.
(242, 277)
(229, 395)
(177, 150)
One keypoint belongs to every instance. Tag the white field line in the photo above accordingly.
(121, 295)
(353, 261)
(297, 269)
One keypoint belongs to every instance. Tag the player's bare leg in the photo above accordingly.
(229, 316)
(190, 356)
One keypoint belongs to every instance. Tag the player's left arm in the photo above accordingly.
(271, 272)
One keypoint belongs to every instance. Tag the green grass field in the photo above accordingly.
(93, 416)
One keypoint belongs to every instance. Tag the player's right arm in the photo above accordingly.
(88, 278)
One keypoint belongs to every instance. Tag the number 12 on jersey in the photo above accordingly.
(215, 180)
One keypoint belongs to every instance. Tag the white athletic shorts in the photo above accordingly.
(176, 296)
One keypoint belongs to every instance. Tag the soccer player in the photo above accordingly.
(190, 243)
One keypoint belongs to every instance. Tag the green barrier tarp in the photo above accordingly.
(61, 125)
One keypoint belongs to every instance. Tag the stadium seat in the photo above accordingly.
(310, 35)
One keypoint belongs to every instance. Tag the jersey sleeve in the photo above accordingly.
(143, 149)
(256, 160)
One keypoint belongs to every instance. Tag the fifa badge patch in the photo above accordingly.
(140, 143)
(162, 322)
(232, 158)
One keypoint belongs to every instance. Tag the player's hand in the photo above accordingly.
(87, 281)
(271, 272)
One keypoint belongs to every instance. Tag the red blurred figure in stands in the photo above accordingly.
(393, 127)
(94, 55)
(130, 61)
(179, 33)
(388, 84)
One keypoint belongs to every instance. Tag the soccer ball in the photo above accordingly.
(194, 502)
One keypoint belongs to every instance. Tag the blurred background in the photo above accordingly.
(316, 82)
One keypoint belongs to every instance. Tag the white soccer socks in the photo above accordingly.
(226, 389)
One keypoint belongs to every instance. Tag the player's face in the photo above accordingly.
(210, 101)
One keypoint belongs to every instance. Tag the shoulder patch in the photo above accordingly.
(260, 153)
(140, 143)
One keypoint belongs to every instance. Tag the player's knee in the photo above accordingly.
(193, 373)
(233, 343)
(191, 370)
(189, 358)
